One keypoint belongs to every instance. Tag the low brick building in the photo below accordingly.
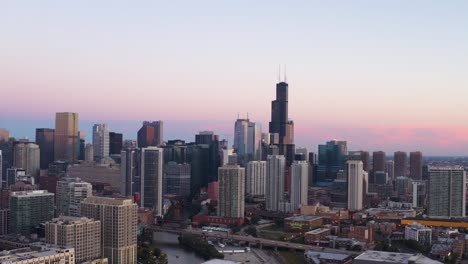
(315, 235)
(302, 223)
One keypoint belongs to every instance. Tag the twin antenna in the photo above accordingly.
(284, 74)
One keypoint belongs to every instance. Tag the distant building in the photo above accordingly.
(382, 257)
(355, 185)
(302, 223)
(30, 208)
(446, 192)
(390, 169)
(316, 257)
(419, 194)
(401, 163)
(380, 177)
(331, 159)
(81, 233)
(27, 156)
(129, 170)
(70, 193)
(97, 174)
(378, 161)
(39, 254)
(176, 179)
(151, 134)
(66, 139)
(118, 219)
(256, 178)
(416, 165)
(420, 233)
(4, 221)
(89, 153)
(100, 141)
(231, 180)
(115, 143)
(316, 234)
(299, 184)
(45, 141)
(152, 179)
(275, 181)
(213, 191)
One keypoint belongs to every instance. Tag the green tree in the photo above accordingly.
(251, 230)
(255, 219)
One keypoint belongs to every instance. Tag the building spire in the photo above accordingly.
(285, 78)
(279, 73)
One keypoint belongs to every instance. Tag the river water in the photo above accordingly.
(169, 244)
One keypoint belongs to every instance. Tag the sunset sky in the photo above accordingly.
(383, 75)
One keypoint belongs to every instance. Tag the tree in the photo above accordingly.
(251, 230)
(255, 219)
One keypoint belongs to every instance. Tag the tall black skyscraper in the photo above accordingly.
(45, 141)
(280, 127)
(115, 143)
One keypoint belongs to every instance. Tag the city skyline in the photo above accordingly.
(379, 88)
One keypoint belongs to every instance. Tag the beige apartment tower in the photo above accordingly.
(81, 233)
(118, 218)
(231, 179)
(66, 139)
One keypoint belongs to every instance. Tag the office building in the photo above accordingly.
(390, 169)
(419, 194)
(403, 186)
(254, 141)
(39, 254)
(299, 184)
(231, 180)
(82, 145)
(6, 147)
(378, 161)
(176, 151)
(152, 178)
(45, 141)
(380, 177)
(89, 153)
(400, 164)
(66, 138)
(446, 192)
(30, 208)
(241, 128)
(331, 159)
(100, 141)
(118, 219)
(27, 156)
(355, 185)
(150, 134)
(281, 128)
(13, 175)
(275, 181)
(115, 143)
(3, 181)
(4, 134)
(256, 178)
(129, 170)
(416, 165)
(176, 179)
(70, 193)
(81, 233)
(4, 221)
(420, 233)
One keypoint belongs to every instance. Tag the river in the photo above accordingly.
(169, 244)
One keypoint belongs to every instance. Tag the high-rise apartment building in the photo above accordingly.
(176, 179)
(2, 181)
(254, 141)
(390, 169)
(447, 192)
(81, 233)
(355, 185)
(27, 156)
(129, 170)
(100, 141)
(45, 141)
(118, 219)
(275, 182)
(70, 193)
(256, 178)
(416, 165)
(150, 134)
(66, 138)
(115, 143)
(30, 208)
(401, 163)
(299, 184)
(419, 194)
(152, 178)
(331, 159)
(231, 180)
(378, 161)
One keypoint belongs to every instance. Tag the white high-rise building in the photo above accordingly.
(100, 141)
(27, 157)
(152, 179)
(420, 233)
(247, 140)
(256, 178)
(274, 194)
(299, 184)
(419, 193)
(70, 193)
(390, 169)
(231, 180)
(355, 185)
(447, 192)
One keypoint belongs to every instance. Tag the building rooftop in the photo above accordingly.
(317, 231)
(310, 254)
(37, 250)
(393, 258)
(220, 261)
(31, 193)
(69, 220)
(108, 201)
(303, 218)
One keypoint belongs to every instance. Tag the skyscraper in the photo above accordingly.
(66, 140)
(45, 141)
(81, 233)
(241, 128)
(247, 140)
(416, 165)
(231, 179)
(89, 153)
(331, 159)
(27, 156)
(176, 179)
(299, 184)
(355, 185)
(401, 166)
(30, 208)
(151, 134)
(152, 178)
(100, 141)
(447, 192)
(118, 219)
(275, 181)
(115, 143)
(378, 161)
(255, 178)
(390, 169)
(70, 193)
(280, 127)
(129, 160)
(254, 141)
